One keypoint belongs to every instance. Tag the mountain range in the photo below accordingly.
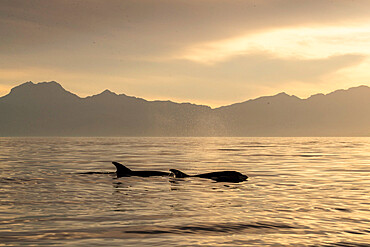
(47, 109)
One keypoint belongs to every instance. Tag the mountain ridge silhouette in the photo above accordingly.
(47, 109)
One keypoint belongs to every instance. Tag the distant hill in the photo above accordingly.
(47, 109)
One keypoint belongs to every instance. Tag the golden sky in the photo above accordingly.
(212, 52)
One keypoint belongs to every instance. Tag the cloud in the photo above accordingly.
(150, 30)
(296, 42)
(161, 25)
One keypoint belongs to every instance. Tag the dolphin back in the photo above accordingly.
(122, 170)
(178, 174)
(224, 176)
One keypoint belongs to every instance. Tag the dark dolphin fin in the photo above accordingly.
(178, 174)
(122, 170)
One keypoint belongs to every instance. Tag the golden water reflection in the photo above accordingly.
(300, 191)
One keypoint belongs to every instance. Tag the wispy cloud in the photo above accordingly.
(299, 42)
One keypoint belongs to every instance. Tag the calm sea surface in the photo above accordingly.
(300, 192)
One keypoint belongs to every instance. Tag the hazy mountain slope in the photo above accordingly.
(37, 109)
(340, 113)
(265, 116)
(343, 112)
(46, 109)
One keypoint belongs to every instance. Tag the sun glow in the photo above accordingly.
(302, 43)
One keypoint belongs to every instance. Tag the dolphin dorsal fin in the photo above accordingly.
(121, 169)
(178, 174)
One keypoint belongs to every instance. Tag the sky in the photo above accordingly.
(212, 52)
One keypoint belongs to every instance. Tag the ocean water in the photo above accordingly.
(300, 192)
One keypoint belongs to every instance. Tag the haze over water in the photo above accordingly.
(300, 192)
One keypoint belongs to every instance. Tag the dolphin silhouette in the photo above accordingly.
(123, 171)
(222, 176)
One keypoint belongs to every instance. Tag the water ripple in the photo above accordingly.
(300, 192)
